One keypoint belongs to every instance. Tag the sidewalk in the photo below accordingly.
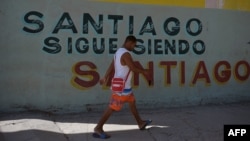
(203, 123)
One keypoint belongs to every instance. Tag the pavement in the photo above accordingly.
(199, 123)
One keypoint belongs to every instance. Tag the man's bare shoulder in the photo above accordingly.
(126, 58)
(126, 54)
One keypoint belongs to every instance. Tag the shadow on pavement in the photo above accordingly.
(174, 124)
(40, 135)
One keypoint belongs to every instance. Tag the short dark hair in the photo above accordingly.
(130, 38)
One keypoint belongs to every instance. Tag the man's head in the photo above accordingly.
(130, 42)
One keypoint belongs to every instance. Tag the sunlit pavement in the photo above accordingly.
(200, 123)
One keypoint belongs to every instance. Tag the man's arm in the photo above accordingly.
(127, 60)
(108, 73)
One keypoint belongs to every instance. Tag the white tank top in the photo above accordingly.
(122, 71)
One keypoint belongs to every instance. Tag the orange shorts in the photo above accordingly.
(117, 101)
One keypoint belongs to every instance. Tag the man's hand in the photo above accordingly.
(147, 73)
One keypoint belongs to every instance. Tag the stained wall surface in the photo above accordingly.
(53, 53)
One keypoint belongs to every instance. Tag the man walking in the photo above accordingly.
(123, 64)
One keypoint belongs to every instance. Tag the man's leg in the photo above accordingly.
(99, 127)
(134, 111)
(113, 105)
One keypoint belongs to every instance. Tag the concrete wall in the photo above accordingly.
(53, 53)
